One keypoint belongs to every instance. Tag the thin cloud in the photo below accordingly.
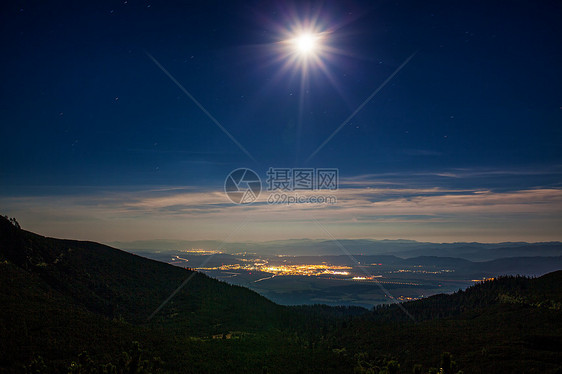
(352, 204)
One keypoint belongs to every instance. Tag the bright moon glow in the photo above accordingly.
(306, 43)
(304, 48)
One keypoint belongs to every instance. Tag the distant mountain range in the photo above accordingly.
(529, 266)
(401, 248)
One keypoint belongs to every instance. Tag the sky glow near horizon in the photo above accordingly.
(462, 144)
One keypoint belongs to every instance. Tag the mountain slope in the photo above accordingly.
(35, 320)
(117, 284)
(61, 297)
(508, 325)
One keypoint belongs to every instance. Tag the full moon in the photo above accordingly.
(306, 43)
(304, 48)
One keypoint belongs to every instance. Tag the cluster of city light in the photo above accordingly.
(342, 272)
(424, 271)
(332, 272)
(482, 280)
(309, 270)
(407, 298)
(201, 251)
(398, 283)
(367, 278)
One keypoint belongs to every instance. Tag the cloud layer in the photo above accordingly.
(365, 208)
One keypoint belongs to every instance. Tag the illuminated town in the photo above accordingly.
(264, 266)
(278, 266)
(441, 271)
(333, 280)
(200, 251)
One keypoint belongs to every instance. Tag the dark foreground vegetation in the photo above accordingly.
(82, 307)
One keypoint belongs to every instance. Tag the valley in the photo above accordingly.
(352, 280)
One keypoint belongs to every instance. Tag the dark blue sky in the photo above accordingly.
(84, 108)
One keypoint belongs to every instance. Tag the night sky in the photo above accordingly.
(463, 143)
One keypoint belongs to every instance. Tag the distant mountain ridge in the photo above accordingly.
(402, 248)
(525, 265)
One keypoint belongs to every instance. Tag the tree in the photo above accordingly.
(393, 367)
(36, 366)
(448, 366)
(14, 222)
